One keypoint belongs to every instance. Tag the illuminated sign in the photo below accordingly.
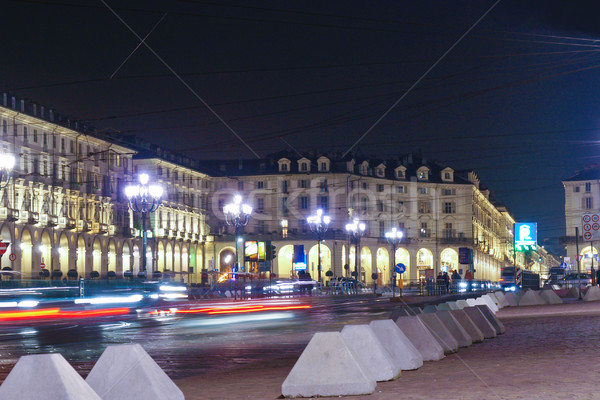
(254, 250)
(299, 258)
(525, 236)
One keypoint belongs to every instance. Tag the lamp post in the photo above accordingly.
(355, 230)
(145, 199)
(237, 215)
(7, 163)
(319, 224)
(394, 237)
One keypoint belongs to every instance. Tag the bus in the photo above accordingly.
(512, 278)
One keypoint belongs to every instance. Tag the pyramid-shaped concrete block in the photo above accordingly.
(572, 293)
(462, 304)
(399, 312)
(491, 302)
(415, 310)
(460, 334)
(420, 336)
(471, 302)
(491, 317)
(430, 308)
(501, 300)
(485, 301)
(377, 360)
(126, 371)
(592, 294)
(481, 322)
(395, 341)
(512, 299)
(45, 376)
(328, 367)
(530, 298)
(468, 325)
(493, 297)
(440, 332)
(550, 296)
(452, 305)
(443, 307)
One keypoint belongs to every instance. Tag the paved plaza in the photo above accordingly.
(547, 352)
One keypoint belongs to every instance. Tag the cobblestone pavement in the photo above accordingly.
(547, 352)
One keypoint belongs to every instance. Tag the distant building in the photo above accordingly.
(582, 196)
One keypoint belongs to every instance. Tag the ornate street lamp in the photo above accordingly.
(7, 163)
(145, 199)
(237, 215)
(356, 230)
(319, 224)
(394, 237)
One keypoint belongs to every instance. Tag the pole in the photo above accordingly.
(144, 241)
(319, 251)
(393, 269)
(356, 247)
(592, 268)
(577, 256)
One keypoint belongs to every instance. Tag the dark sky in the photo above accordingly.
(516, 99)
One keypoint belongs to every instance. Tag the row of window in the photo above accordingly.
(588, 188)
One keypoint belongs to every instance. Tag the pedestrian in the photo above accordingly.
(439, 283)
(455, 276)
(446, 281)
(469, 279)
(598, 277)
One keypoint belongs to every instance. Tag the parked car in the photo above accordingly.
(576, 279)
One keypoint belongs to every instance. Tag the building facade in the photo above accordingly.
(64, 209)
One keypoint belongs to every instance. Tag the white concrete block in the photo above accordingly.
(328, 367)
(493, 297)
(420, 336)
(443, 306)
(460, 334)
(126, 371)
(452, 305)
(485, 301)
(512, 299)
(592, 294)
(471, 302)
(530, 298)
(490, 302)
(501, 299)
(468, 325)
(550, 296)
(362, 340)
(462, 304)
(481, 321)
(430, 308)
(440, 332)
(399, 346)
(573, 293)
(45, 376)
(491, 317)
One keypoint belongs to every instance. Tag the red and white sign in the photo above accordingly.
(579, 257)
(42, 265)
(12, 257)
(591, 226)
(3, 247)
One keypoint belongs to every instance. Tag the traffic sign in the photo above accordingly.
(591, 226)
(400, 268)
(42, 265)
(3, 247)
(563, 265)
(579, 257)
(12, 257)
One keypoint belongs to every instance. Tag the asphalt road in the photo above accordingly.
(191, 345)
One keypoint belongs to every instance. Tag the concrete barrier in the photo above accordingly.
(471, 302)
(493, 297)
(592, 294)
(452, 305)
(550, 296)
(328, 367)
(443, 307)
(572, 293)
(415, 310)
(530, 298)
(485, 301)
(420, 336)
(397, 344)
(512, 299)
(362, 340)
(399, 312)
(430, 308)
(490, 301)
(501, 300)
(491, 317)
(440, 332)
(460, 334)
(126, 371)
(481, 322)
(468, 325)
(45, 376)
(462, 304)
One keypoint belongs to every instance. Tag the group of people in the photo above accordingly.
(444, 278)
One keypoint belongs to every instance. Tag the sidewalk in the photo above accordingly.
(547, 352)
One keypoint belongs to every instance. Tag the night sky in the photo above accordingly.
(516, 99)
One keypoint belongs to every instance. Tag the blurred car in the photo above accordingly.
(347, 283)
(288, 286)
(576, 279)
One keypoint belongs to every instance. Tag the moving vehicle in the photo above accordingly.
(576, 279)
(512, 278)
